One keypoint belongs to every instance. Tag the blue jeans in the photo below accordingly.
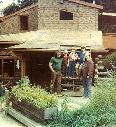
(71, 69)
(87, 87)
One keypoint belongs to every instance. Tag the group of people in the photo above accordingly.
(72, 62)
(69, 63)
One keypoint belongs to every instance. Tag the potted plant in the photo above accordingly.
(33, 101)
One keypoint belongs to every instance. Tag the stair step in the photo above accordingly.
(70, 85)
(100, 79)
(102, 73)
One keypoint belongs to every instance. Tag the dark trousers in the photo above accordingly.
(56, 82)
(65, 71)
(71, 69)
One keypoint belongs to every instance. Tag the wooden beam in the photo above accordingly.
(21, 118)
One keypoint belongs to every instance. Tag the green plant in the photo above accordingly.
(109, 60)
(100, 112)
(34, 95)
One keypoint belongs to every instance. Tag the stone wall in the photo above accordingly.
(11, 24)
(88, 18)
(47, 16)
(84, 18)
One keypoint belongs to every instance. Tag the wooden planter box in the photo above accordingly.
(30, 111)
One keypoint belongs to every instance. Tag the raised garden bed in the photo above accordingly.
(33, 102)
(36, 114)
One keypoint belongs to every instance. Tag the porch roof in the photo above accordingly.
(109, 14)
(57, 39)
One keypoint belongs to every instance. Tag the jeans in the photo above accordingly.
(87, 86)
(71, 69)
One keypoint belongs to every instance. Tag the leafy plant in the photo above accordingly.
(34, 95)
(109, 60)
(100, 112)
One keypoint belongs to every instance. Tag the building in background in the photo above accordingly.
(43, 28)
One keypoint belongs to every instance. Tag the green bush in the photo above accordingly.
(100, 112)
(109, 60)
(35, 95)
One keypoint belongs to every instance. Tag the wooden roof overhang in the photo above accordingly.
(9, 42)
(87, 4)
(33, 50)
(52, 50)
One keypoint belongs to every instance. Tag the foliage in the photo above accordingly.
(2, 92)
(15, 7)
(35, 95)
(11, 9)
(100, 112)
(2, 99)
(109, 60)
(24, 3)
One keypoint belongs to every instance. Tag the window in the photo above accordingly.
(8, 68)
(66, 15)
(23, 22)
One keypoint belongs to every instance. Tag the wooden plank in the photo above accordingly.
(102, 73)
(70, 85)
(26, 121)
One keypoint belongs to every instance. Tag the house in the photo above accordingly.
(107, 23)
(53, 14)
(43, 28)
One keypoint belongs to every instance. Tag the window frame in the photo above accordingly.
(25, 26)
(66, 15)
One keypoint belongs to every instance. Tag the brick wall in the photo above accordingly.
(12, 23)
(84, 18)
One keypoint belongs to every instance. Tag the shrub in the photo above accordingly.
(100, 112)
(35, 95)
(109, 60)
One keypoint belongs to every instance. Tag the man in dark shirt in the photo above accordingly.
(87, 75)
(55, 66)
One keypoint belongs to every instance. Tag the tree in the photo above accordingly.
(15, 7)
(24, 3)
(11, 9)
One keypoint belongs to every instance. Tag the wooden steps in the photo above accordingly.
(71, 83)
(101, 72)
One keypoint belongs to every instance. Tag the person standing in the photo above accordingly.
(65, 63)
(87, 75)
(55, 66)
(81, 59)
(73, 56)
